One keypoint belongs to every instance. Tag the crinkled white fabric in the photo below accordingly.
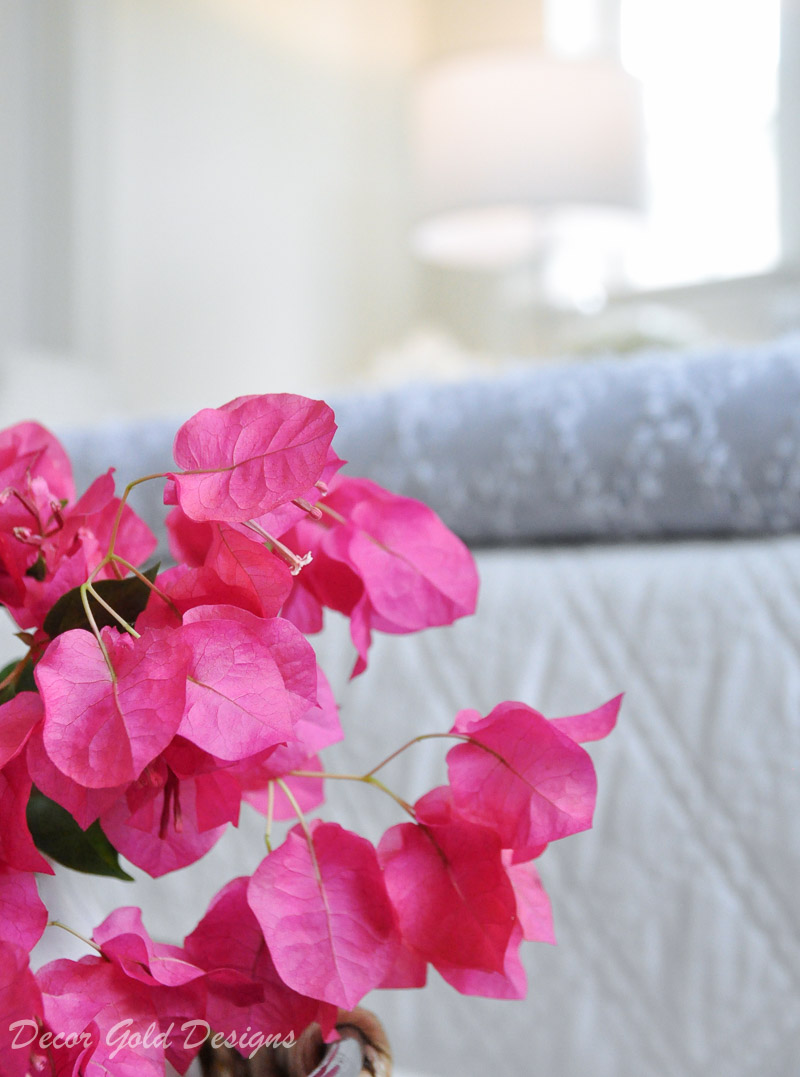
(677, 916)
(659, 445)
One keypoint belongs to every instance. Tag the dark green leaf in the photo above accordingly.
(128, 597)
(4, 672)
(10, 690)
(38, 569)
(26, 683)
(57, 835)
(23, 683)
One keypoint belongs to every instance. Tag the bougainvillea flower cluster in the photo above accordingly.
(149, 704)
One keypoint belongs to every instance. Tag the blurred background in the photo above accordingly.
(204, 198)
(201, 198)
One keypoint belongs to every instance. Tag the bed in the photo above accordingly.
(637, 528)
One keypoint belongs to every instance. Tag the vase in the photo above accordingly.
(362, 1049)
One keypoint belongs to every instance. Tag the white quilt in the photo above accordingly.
(677, 916)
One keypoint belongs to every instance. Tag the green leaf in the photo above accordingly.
(24, 683)
(10, 690)
(128, 597)
(38, 569)
(4, 672)
(57, 835)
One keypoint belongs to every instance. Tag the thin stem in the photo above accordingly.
(299, 813)
(415, 740)
(107, 560)
(327, 774)
(122, 502)
(270, 815)
(293, 560)
(77, 934)
(332, 512)
(377, 542)
(110, 609)
(153, 587)
(90, 618)
(369, 780)
(312, 852)
(312, 510)
(28, 506)
(15, 673)
(365, 779)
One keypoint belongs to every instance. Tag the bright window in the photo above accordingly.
(709, 70)
(709, 73)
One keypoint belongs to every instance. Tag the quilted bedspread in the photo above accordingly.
(677, 915)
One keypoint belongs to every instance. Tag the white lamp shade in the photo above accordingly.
(499, 135)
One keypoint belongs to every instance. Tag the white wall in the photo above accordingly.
(789, 130)
(235, 195)
(205, 197)
(252, 190)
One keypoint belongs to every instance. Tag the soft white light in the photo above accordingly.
(709, 75)
(500, 136)
(487, 236)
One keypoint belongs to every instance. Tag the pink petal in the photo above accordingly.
(250, 680)
(95, 514)
(20, 1000)
(249, 566)
(136, 833)
(533, 785)
(446, 880)
(533, 905)
(43, 455)
(286, 516)
(63, 983)
(317, 729)
(325, 914)
(102, 731)
(177, 1007)
(329, 577)
(592, 726)
(409, 970)
(17, 850)
(84, 805)
(188, 540)
(92, 990)
(508, 982)
(417, 572)
(186, 760)
(251, 455)
(387, 562)
(217, 793)
(124, 940)
(77, 517)
(23, 916)
(40, 595)
(93, 500)
(190, 587)
(17, 720)
(361, 633)
(244, 986)
(304, 610)
(217, 799)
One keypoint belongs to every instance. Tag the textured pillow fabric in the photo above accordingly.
(669, 445)
(662, 445)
